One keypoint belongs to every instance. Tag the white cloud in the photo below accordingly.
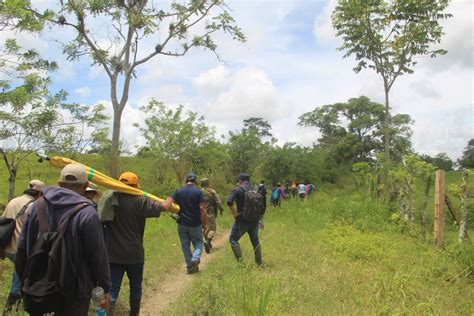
(212, 81)
(83, 92)
(322, 28)
(250, 93)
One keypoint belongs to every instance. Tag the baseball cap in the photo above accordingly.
(244, 177)
(36, 185)
(204, 181)
(191, 177)
(129, 178)
(73, 173)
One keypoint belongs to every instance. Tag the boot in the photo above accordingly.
(237, 252)
(135, 307)
(12, 303)
(258, 255)
(111, 310)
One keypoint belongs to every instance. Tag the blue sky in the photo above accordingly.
(288, 66)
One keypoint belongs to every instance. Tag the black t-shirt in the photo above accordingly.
(124, 235)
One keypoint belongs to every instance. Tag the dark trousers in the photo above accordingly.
(135, 277)
(239, 228)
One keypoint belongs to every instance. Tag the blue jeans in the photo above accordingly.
(15, 288)
(135, 277)
(239, 228)
(188, 235)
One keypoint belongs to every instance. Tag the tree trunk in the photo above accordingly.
(386, 128)
(114, 166)
(11, 183)
(463, 220)
(424, 208)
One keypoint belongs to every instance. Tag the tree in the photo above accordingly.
(440, 161)
(247, 148)
(353, 131)
(467, 159)
(176, 136)
(31, 118)
(261, 127)
(387, 36)
(116, 36)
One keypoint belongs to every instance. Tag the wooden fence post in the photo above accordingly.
(439, 209)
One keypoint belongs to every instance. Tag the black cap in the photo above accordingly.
(191, 177)
(244, 177)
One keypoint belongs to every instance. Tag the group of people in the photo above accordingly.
(281, 192)
(101, 247)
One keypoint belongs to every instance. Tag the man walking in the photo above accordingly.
(192, 219)
(85, 247)
(18, 208)
(241, 225)
(125, 241)
(212, 203)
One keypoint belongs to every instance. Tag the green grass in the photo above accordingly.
(318, 263)
(339, 253)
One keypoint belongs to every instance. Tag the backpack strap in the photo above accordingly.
(23, 210)
(64, 223)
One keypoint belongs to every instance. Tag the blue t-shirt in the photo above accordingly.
(188, 198)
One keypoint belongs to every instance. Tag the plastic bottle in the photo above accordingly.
(98, 296)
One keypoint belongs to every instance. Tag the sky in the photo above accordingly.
(289, 65)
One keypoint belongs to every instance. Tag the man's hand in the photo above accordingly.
(106, 302)
(206, 231)
(167, 203)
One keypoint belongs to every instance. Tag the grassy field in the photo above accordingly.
(338, 253)
(317, 262)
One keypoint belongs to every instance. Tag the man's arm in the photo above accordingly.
(21, 250)
(95, 251)
(204, 221)
(230, 202)
(219, 202)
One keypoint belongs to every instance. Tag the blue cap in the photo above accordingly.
(191, 177)
(244, 177)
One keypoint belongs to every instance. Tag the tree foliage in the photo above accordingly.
(247, 147)
(467, 159)
(181, 138)
(440, 161)
(31, 117)
(353, 131)
(116, 35)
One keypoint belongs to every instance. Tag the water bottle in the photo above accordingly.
(98, 297)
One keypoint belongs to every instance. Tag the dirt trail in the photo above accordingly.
(164, 294)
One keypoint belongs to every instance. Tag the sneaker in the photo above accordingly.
(207, 246)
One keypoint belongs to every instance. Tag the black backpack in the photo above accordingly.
(254, 207)
(48, 275)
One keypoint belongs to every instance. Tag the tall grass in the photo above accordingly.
(335, 254)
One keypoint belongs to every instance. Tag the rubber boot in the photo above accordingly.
(135, 307)
(258, 255)
(237, 252)
(12, 303)
(111, 310)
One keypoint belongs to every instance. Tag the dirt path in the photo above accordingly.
(163, 295)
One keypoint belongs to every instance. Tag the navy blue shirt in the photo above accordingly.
(237, 195)
(188, 198)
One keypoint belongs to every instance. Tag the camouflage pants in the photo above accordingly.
(211, 220)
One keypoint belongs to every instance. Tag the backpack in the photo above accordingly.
(48, 275)
(8, 225)
(275, 194)
(254, 208)
(107, 206)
